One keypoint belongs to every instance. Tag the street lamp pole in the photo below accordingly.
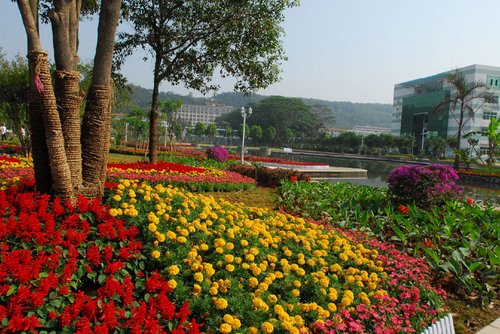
(126, 133)
(424, 132)
(244, 114)
(165, 124)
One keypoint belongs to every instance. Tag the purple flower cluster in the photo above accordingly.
(218, 153)
(425, 186)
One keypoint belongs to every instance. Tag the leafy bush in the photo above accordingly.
(269, 177)
(218, 153)
(198, 161)
(458, 239)
(425, 186)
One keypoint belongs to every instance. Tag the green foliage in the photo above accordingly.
(240, 39)
(270, 134)
(137, 126)
(493, 141)
(256, 133)
(200, 161)
(281, 113)
(464, 103)
(459, 239)
(437, 146)
(169, 110)
(331, 113)
(14, 88)
(211, 131)
(199, 129)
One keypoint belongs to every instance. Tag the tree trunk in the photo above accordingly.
(107, 142)
(29, 14)
(67, 89)
(65, 20)
(456, 163)
(59, 18)
(97, 115)
(39, 153)
(54, 139)
(43, 110)
(153, 115)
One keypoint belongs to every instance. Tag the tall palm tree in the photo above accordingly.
(467, 97)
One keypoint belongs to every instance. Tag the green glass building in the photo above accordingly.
(419, 107)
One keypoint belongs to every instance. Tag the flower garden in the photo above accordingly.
(157, 255)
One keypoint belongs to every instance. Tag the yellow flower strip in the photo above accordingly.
(23, 163)
(13, 172)
(208, 171)
(249, 267)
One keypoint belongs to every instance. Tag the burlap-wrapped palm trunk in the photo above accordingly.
(46, 106)
(69, 161)
(69, 100)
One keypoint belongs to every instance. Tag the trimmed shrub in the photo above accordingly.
(425, 186)
(218, 153)
(269, 177)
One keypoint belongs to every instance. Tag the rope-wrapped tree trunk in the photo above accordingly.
(97, 117)
(39, 153)
(94, 138)
(64, 165)
(67, 89)
(44, 98)
(107, 140)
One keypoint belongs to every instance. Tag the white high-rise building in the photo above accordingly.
(415, 102)
(203, 113)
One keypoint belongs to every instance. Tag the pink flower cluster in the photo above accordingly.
(409, 280)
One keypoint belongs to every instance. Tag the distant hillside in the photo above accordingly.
(346, 114)
(349, 114)
(142, 96)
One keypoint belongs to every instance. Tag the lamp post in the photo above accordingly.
(424, 133)
(244, 114)
(126, 133)
(165, 125)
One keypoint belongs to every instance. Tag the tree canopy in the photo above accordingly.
(465, 100)
(281, 113)
(14, 88)
(189, 41)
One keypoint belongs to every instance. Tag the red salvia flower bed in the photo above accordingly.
(75, 268)
(160, 166)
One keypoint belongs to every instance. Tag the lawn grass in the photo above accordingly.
(468, 319)
(257, 197)
(116, 158)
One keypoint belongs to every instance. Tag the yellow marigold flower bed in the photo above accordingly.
(14, 170)
(248, 267)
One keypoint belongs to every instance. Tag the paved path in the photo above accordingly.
(493, 328)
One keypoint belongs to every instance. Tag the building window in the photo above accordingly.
(484, 150)
(493, 82)
(484, 131)
(489, 114)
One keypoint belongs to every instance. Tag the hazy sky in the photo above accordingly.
(341, 50)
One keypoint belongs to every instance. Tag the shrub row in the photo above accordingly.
(269, 177)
